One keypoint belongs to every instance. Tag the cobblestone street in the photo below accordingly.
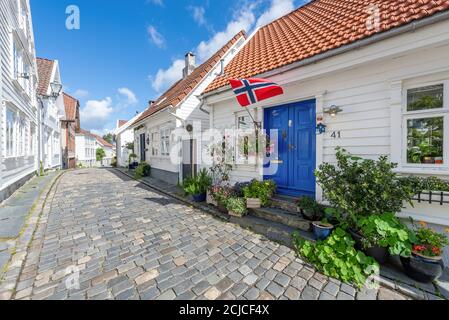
(113, 238)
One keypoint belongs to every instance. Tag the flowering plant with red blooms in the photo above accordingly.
(429, 242)
(221, 193)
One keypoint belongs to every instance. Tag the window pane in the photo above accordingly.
(425, 140)
(425, 98)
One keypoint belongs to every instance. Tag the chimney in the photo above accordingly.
(190, 65)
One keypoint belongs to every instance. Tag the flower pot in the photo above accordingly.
(322, 231)
(233, 214)
(199, 197)
(253, 203)
(423, 269)
(428, 160)
(379, 254)
(210, 199)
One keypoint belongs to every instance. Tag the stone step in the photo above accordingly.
(284, 203)
(274, 231)
(282, 216)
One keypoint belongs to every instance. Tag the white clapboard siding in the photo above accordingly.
(14, 169)
(362, 90)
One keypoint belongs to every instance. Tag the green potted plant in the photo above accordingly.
(236, 207)
(310, 209)
(258, 193)
(378, 236)
(197, 186)
(362, 187)
(142, 170)
(221, 194)
(425, 263)
(132, 161)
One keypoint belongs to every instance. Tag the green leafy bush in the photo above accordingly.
(199, 184)
(386, 231)
(361, 187)
(237, 205)
(262, 190)
(418, 184)
(142, 170)
(336, 257)
(311, 209)
(222, 193)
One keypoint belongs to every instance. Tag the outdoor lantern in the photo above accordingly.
(56, 88)
(333, 111)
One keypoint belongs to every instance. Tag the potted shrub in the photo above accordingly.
(258, 193)
(378, 236)
(220, 194)
(142, 170)
(310, 209)
(425, 263)
(132, 161)
(197, 186)
(236, 207)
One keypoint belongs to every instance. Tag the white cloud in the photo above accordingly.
(156, 2)
(198, 14)
(278, 8)
(80, 94)
(129, 95)
(244, 19)
(165, 78)
(155, 37)
(96, 113)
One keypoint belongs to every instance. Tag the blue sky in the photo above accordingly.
(128, 52)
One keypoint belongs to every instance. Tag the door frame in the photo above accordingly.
(317, 100)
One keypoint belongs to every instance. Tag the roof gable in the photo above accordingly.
(182, 88)
(45, 71)
(317, 27)
(71, 105)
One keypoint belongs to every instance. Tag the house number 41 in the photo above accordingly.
(336, 135)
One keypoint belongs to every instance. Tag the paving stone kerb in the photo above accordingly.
(113, 238)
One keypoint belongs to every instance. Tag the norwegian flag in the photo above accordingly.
(250, 91)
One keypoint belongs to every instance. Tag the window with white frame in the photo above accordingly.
(246, 140)
(16, 58)
(21, 137)
(165, 142)
(32, 137)
(426, 123)
(10, 132)
(56, 150)
(155, 143)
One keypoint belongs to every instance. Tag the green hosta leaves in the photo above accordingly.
(336, 257)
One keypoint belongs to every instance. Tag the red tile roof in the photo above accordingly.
(317, 27)
(177, 92)
(44, 70)
(121, 123)
(100, 140)
(70, 104)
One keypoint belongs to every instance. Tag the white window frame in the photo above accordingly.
(165, 138)
(155, 143)
(423, 114)
(10, 138)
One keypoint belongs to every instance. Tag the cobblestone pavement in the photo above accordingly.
(108, 237)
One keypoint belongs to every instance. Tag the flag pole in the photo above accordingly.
(256, 124)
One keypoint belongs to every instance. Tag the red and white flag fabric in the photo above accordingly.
(250, 91)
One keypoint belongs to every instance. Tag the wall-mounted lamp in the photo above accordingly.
(333, 111)
(56, 89)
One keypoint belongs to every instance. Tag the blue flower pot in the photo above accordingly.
(321, 232)
(200, 197)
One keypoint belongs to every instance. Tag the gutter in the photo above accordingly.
(411, 27)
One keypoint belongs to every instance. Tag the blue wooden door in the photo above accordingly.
(297, 147)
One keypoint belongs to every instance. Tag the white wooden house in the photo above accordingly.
(51, 112)
(180, 108)
(370, 70)
(124, 135)
(18, 109)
